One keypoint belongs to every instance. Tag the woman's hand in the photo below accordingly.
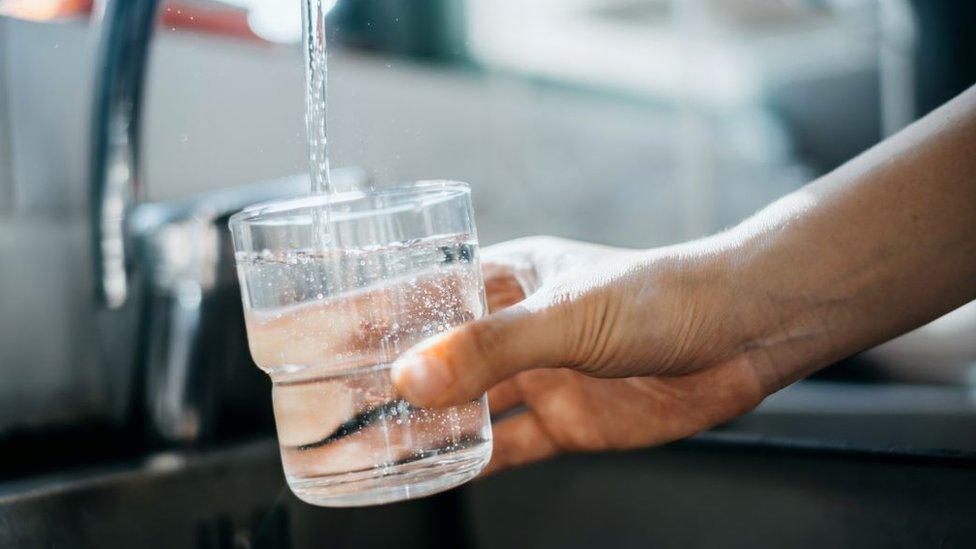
(633, 350)
(617, 349)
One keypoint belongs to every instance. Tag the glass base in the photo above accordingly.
(397, 483)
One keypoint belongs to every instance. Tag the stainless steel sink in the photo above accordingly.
(234, 497)
(768, 480)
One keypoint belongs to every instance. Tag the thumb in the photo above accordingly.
(460, 365)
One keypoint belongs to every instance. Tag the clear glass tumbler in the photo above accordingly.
(335, 288)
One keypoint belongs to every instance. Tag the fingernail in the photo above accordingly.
(421, 379)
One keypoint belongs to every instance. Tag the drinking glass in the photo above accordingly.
(335, 288)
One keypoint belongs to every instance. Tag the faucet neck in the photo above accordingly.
(126, 30)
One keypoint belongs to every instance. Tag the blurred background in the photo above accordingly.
(130, 130)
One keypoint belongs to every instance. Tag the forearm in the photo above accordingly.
(882, 245)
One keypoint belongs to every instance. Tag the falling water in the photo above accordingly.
(316, 78)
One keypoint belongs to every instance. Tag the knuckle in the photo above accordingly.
(545, 242)
(534, 243)
(538, 240)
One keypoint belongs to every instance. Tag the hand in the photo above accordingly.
(616, 349)
(613, 349)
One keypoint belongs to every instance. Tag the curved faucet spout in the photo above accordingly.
(114, 155)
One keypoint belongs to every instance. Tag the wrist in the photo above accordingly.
(778, 310)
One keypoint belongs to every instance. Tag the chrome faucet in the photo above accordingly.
(115, 130)
(166, 268)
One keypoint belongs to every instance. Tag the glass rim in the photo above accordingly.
(269, 210)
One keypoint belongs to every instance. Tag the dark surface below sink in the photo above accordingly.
(714, 491)
(915, 419)
(721, 492)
